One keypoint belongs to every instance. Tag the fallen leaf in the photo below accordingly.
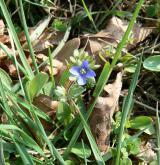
(147, 153)
(112, 35)
(118, 27)
(101, 117)
(47, 105)
(57, 65)
(49, 38)
(68, 49)
(95, 42)
(4, 38)
(2, 26)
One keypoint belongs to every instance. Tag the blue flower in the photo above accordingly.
(82, 72)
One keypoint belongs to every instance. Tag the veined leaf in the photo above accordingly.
(36, 84)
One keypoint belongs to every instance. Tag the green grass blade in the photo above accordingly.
(90, 137)
(126, 109)
(158, 135)
(52, 149)
(2, 160)
(25, 139)
(6, 108)
(51, 66)
(89, 15)
(99, 85)
(27, 36)
(27, 160)
(85, 160)
(15, 38)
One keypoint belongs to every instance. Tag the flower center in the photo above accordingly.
(83, 71)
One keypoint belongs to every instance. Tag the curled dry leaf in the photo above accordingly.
(101, 117)
(68, 49)
(113, 34)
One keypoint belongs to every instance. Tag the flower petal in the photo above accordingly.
(81, 80)
(85, 64)
(90, 73)
(75, 70)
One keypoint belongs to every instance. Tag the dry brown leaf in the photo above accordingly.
(57, 65)
(22, 36)
(47, 39)
(113, 34)
(4, 118)
(2, 27)
(94, 43)
(2, 55)
(100, 120)
(47, 105)
(4, 38)
(118, 27)
(68, 49)
(147, 153)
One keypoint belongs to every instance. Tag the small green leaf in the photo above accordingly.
(69, 162)
(64, 78)
(152, 63)
(133, 145)
(76, 91)
(64, 113)
(36, 84)
(130, 68)
(6, 80)
(78, 150)
(139, 122)
(59, 25)
(151, 10)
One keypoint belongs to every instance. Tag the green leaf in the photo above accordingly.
(76, 91)
(151, 11)
(59, 25)
(2, 158)
(130, 68)
(64, 78)
(100, 84)
(69, 162)
(152, 63)
(6, 80)
(20, 136)
(125, 161)
(133, 145)
(63, 113)
(79, 150)
(139, 122)
(36, 84)
(26, 158)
